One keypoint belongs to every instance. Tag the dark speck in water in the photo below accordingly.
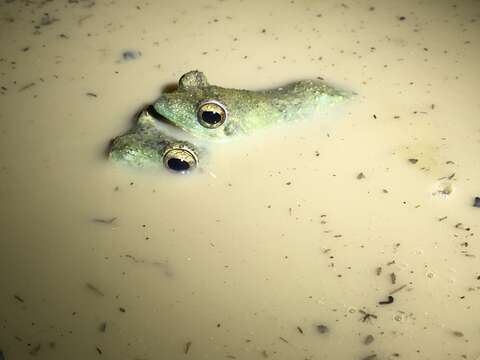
(388, 301)
(104, 221)
(103, 327)
(476, 202)
(35, 350)
(366, 316)
(131, 55)
(187, 347)
(47, 20)
(94, 289)
(323, 329)
(368, 339)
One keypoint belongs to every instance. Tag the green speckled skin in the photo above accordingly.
(247, 110)
(147, 144)
(144, 145)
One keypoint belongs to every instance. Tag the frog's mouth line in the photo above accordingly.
(161, 120)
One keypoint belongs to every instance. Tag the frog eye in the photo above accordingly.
(180, 158)
(211, 113)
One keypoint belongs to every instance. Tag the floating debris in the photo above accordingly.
(25, 87)
(83, 3)
(187, 347)
(457, 333)
(105, 221)
(398, 289)
(35, 350)
(393, 278)
(103, 327)
(367, 316)
(443, 188)
(18, 298)
(94, 289)
(91, 94)
(368, 339)
(461, 227)
(323, 329)
(361, 176)
(370, 357)
(83, 18)
(412, 161)
(47, 20)
(99, 351)
(388, 301)
(129, 55)
(476, 202)
(300, 330)
(449, 177)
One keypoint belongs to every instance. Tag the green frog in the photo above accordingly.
(207, 113)
(149, 143)
(216, 113)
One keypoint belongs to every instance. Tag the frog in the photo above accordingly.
(204, 112)
(150, 144)
(216, 113)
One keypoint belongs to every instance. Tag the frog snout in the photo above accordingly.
(180, 159)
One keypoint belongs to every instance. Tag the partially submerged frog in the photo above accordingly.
(212, 112)
(148, 144)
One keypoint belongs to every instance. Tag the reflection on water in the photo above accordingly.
(355, 228)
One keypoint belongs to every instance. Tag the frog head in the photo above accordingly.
(200, 108)
(216, 113)
(149, 145)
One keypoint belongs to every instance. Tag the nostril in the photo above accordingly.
(178, 165)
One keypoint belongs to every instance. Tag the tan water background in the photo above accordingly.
(286, 244)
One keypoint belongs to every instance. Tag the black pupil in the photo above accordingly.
(178, 165)
(211, 117)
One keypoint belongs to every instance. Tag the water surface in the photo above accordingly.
(288, 244)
